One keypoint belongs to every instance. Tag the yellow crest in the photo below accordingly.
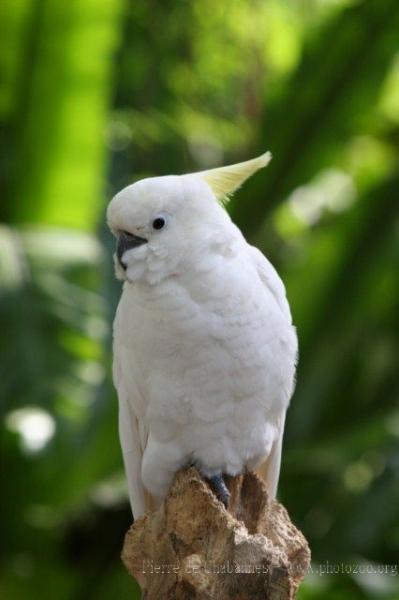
(224, 181)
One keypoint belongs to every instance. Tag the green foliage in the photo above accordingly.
(97, 94)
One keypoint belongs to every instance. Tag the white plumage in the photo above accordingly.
(204, 347)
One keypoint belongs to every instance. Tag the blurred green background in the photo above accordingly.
(95, 94)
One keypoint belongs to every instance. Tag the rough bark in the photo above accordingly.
(192, 547)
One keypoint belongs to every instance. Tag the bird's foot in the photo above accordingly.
(220, 489)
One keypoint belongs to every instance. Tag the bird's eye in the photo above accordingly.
(159, 222)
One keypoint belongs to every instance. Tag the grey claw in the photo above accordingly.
(220, 489)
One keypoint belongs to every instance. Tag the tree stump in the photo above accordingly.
(192, 547)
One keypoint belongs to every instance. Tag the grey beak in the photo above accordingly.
(126, 241)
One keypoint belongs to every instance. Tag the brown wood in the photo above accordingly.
(193, 548)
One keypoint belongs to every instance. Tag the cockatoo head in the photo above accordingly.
(165, 225)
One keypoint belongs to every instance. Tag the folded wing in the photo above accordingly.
(132, 435)
(269, 470)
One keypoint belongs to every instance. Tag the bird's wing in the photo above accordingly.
(270, 279)
(269, 470)
(132, 434)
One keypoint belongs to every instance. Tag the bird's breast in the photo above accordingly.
(203, 342)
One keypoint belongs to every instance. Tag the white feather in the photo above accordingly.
(132, 443)
(205, 350)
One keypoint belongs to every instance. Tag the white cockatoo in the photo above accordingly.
(204, 346)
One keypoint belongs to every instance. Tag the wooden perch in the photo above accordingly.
(192, 547)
